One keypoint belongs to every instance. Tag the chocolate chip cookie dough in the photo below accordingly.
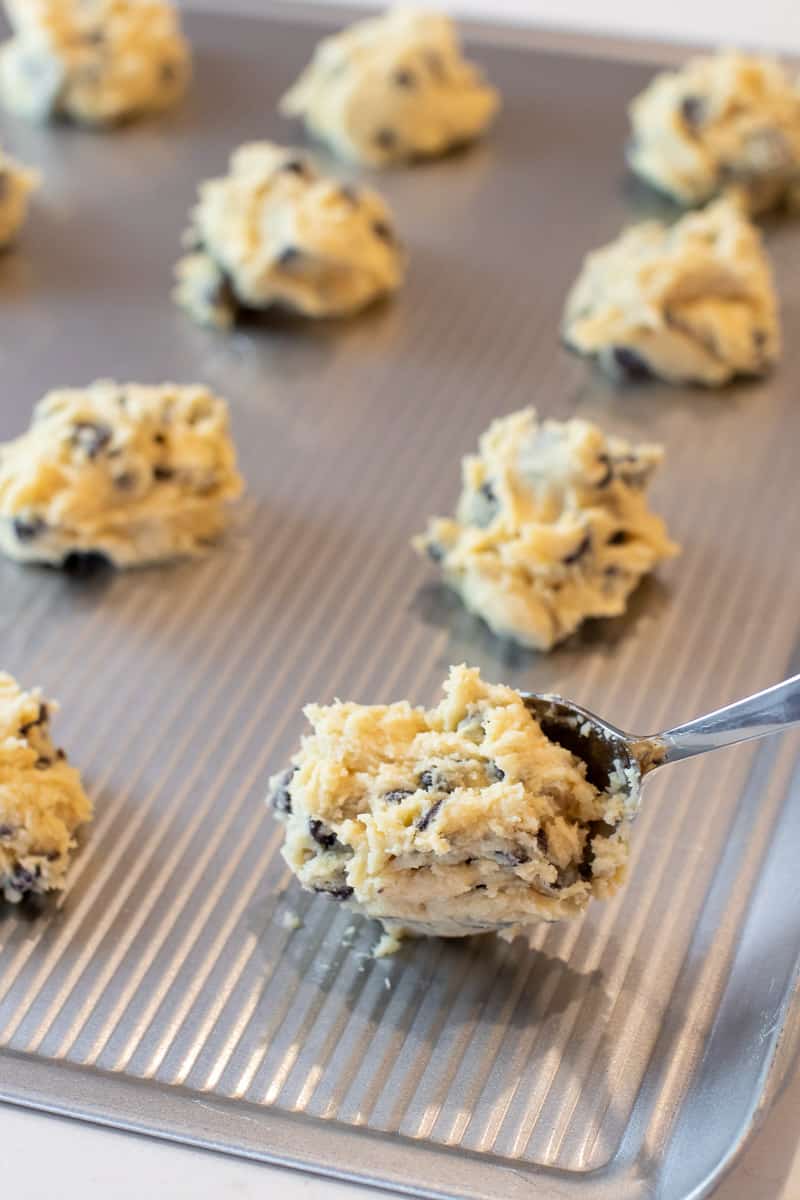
(16, 185)
(274, 232)
(42, 801)
(450, 821)
(552, 527)
(97, 62)
(690, 303)
(131, 473)
(723, 119)
(392, 88)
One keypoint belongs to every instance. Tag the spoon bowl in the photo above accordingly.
(615, 761)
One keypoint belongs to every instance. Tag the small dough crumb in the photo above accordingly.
(388, 944)
(16, 185)
(552, 527)
(42, 801)
(96, 62)
(461, 819)
(290, 920)
(393, 88)
(131, 473)
(275, 232)
(690, 303)
(723, 119)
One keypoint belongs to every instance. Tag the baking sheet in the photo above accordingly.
(166, 991)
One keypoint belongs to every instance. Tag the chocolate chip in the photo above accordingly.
(382, 230)
(585, 865)
(162, 474)
(494, 772)
(397, 795)
(160, 439)
(91, 437)
(81, 564)
(629, 365)
(479, 887)
(168, 72)
(281, 799)
(386, 139)
(22, 880)
(693, 111)
(322, 835)
(404, 78)
(435, 551)
(619, 538)
(434, 781)
(511, 858)
(43, 763)
(541, 841)
(53, 855)
(608, 474)
(126, 481)
(488, 492)
(426, 818)
(6, 831)
(337, 892)
(288, 255)
(27, 529)
(295, 166)
(579, 551)
(42, 718)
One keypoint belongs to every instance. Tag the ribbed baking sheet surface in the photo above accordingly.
(165, 991)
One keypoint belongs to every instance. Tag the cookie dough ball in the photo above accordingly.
(42, 801)
(133, 474)
(96, 62)
(723, 119)
(392, 88)
(458, 820)
(274, 232)
(16, 185)
(552, 527)
(690, 303)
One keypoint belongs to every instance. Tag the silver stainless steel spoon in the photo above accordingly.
(606, 749)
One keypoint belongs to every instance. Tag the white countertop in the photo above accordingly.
(42, 1156)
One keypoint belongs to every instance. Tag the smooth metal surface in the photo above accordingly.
(165, 992)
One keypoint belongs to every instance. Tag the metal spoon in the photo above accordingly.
(606, 749)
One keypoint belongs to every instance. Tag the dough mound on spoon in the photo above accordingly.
(133, 473)
(690, 303)
(274, 232)
(461, 819)
(96, 62)
(42, 801)
(552, 527)
(392, 88)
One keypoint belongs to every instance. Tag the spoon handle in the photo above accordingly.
(767, 712)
